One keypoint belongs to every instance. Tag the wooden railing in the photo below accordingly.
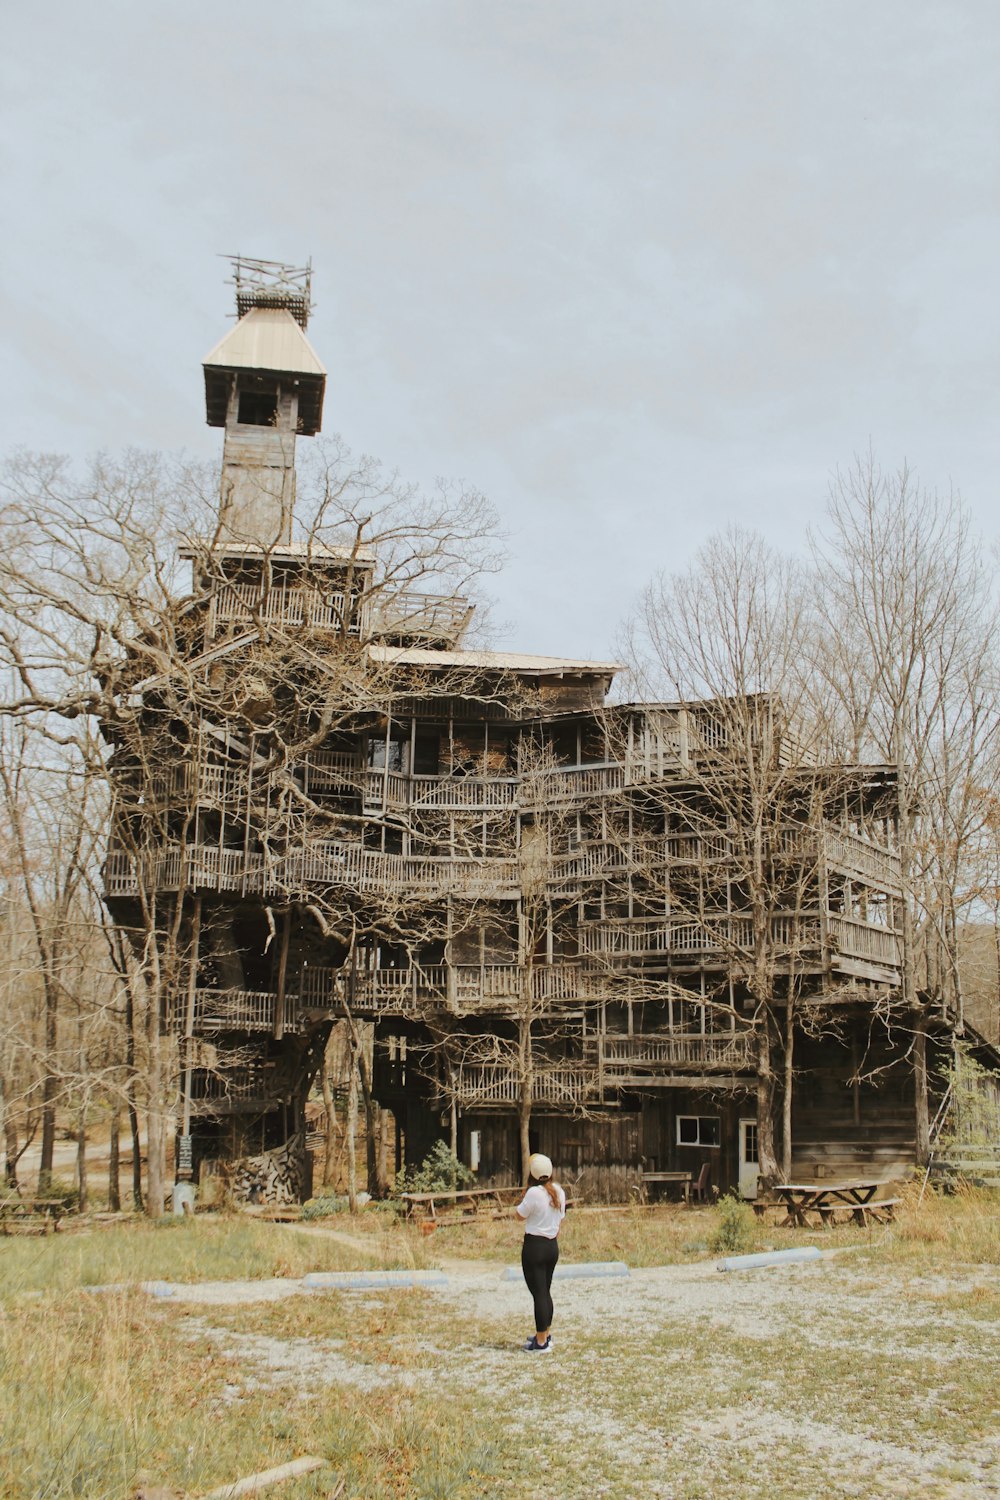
(422, 617)
(461, 986)
(567, 783)
(230, 1010)
(371, 870)
(733, 938)
(312, 607)
(488, 1085)
(846, 851)
(727, 935)
(324, 769)
(463, 791)
(206, 783)
(386, 991)
(688, 848)
(250, 1081)
(331, 864)
(416, 616)
(667, 1050)
(863, 940)
(171, 869)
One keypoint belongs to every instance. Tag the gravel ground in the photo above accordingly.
(692, 1324)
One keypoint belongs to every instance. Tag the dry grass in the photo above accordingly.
(639, 1236)
(93, 1394)
(209, 1248)
(424, 1395)
(963, 1226)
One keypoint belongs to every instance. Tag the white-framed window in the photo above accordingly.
(698, 1130)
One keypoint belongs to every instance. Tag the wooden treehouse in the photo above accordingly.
(533, 898)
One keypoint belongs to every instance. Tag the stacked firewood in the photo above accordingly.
(275, 1177)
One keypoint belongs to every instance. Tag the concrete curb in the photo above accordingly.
(364, 1281)
(770, 1258)
(151, 1288)
(578, 1272)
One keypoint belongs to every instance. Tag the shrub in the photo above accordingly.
(440, 1172)
(325, 1203)
(61, 1191)
(736, 1231)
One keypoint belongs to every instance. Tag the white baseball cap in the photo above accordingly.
(539, 1165)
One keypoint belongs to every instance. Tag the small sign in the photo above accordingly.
(184, 1153)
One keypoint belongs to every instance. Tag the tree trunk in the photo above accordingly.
(330, 1111)
(453, 1117)
(133, 1113)
(922, 1119)
(81, 1157)
(766, 1159)
(527, 1093)
(48, 1091)
(789, 1077)
(383, 1150)
(156, 1141)
(371, 1149)
(114, 1186)
(10, 1155)
(9, 1142)
(352, 1135)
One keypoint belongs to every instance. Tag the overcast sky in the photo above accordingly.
(636, 270)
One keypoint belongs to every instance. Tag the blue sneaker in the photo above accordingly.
(534, 1347)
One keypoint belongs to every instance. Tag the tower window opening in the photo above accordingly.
(258, 408)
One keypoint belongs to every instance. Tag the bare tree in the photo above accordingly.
(908, 624)
(232, 711)
(736, 865)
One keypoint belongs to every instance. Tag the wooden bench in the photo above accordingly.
(466, 1200)
(21, 1215)
(879, 1210)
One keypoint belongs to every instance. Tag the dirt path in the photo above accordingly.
(353, 1242)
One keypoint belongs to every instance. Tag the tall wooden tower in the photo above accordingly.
(264, 384)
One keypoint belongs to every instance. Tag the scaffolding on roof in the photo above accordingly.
(272, 283)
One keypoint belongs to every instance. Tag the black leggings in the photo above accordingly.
(538, 1261)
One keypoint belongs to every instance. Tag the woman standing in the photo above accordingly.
(543, 1209)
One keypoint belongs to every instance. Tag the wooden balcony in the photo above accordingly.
(394, 789)
(330, 770)
(245, 1089)
(723, 936)
(421, 619)
(230, 1010)
(488, 1086)
(853, 939)
(624, 1058)
(865, 948)
(461, 988)
(201, 783)
(319, 864)
(370, 870)
(172, 869)
(871, 863)
(301, 607)
(571, 783)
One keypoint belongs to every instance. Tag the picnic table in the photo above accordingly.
(681, 1179)
(799, 1199)
(466, 1200)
